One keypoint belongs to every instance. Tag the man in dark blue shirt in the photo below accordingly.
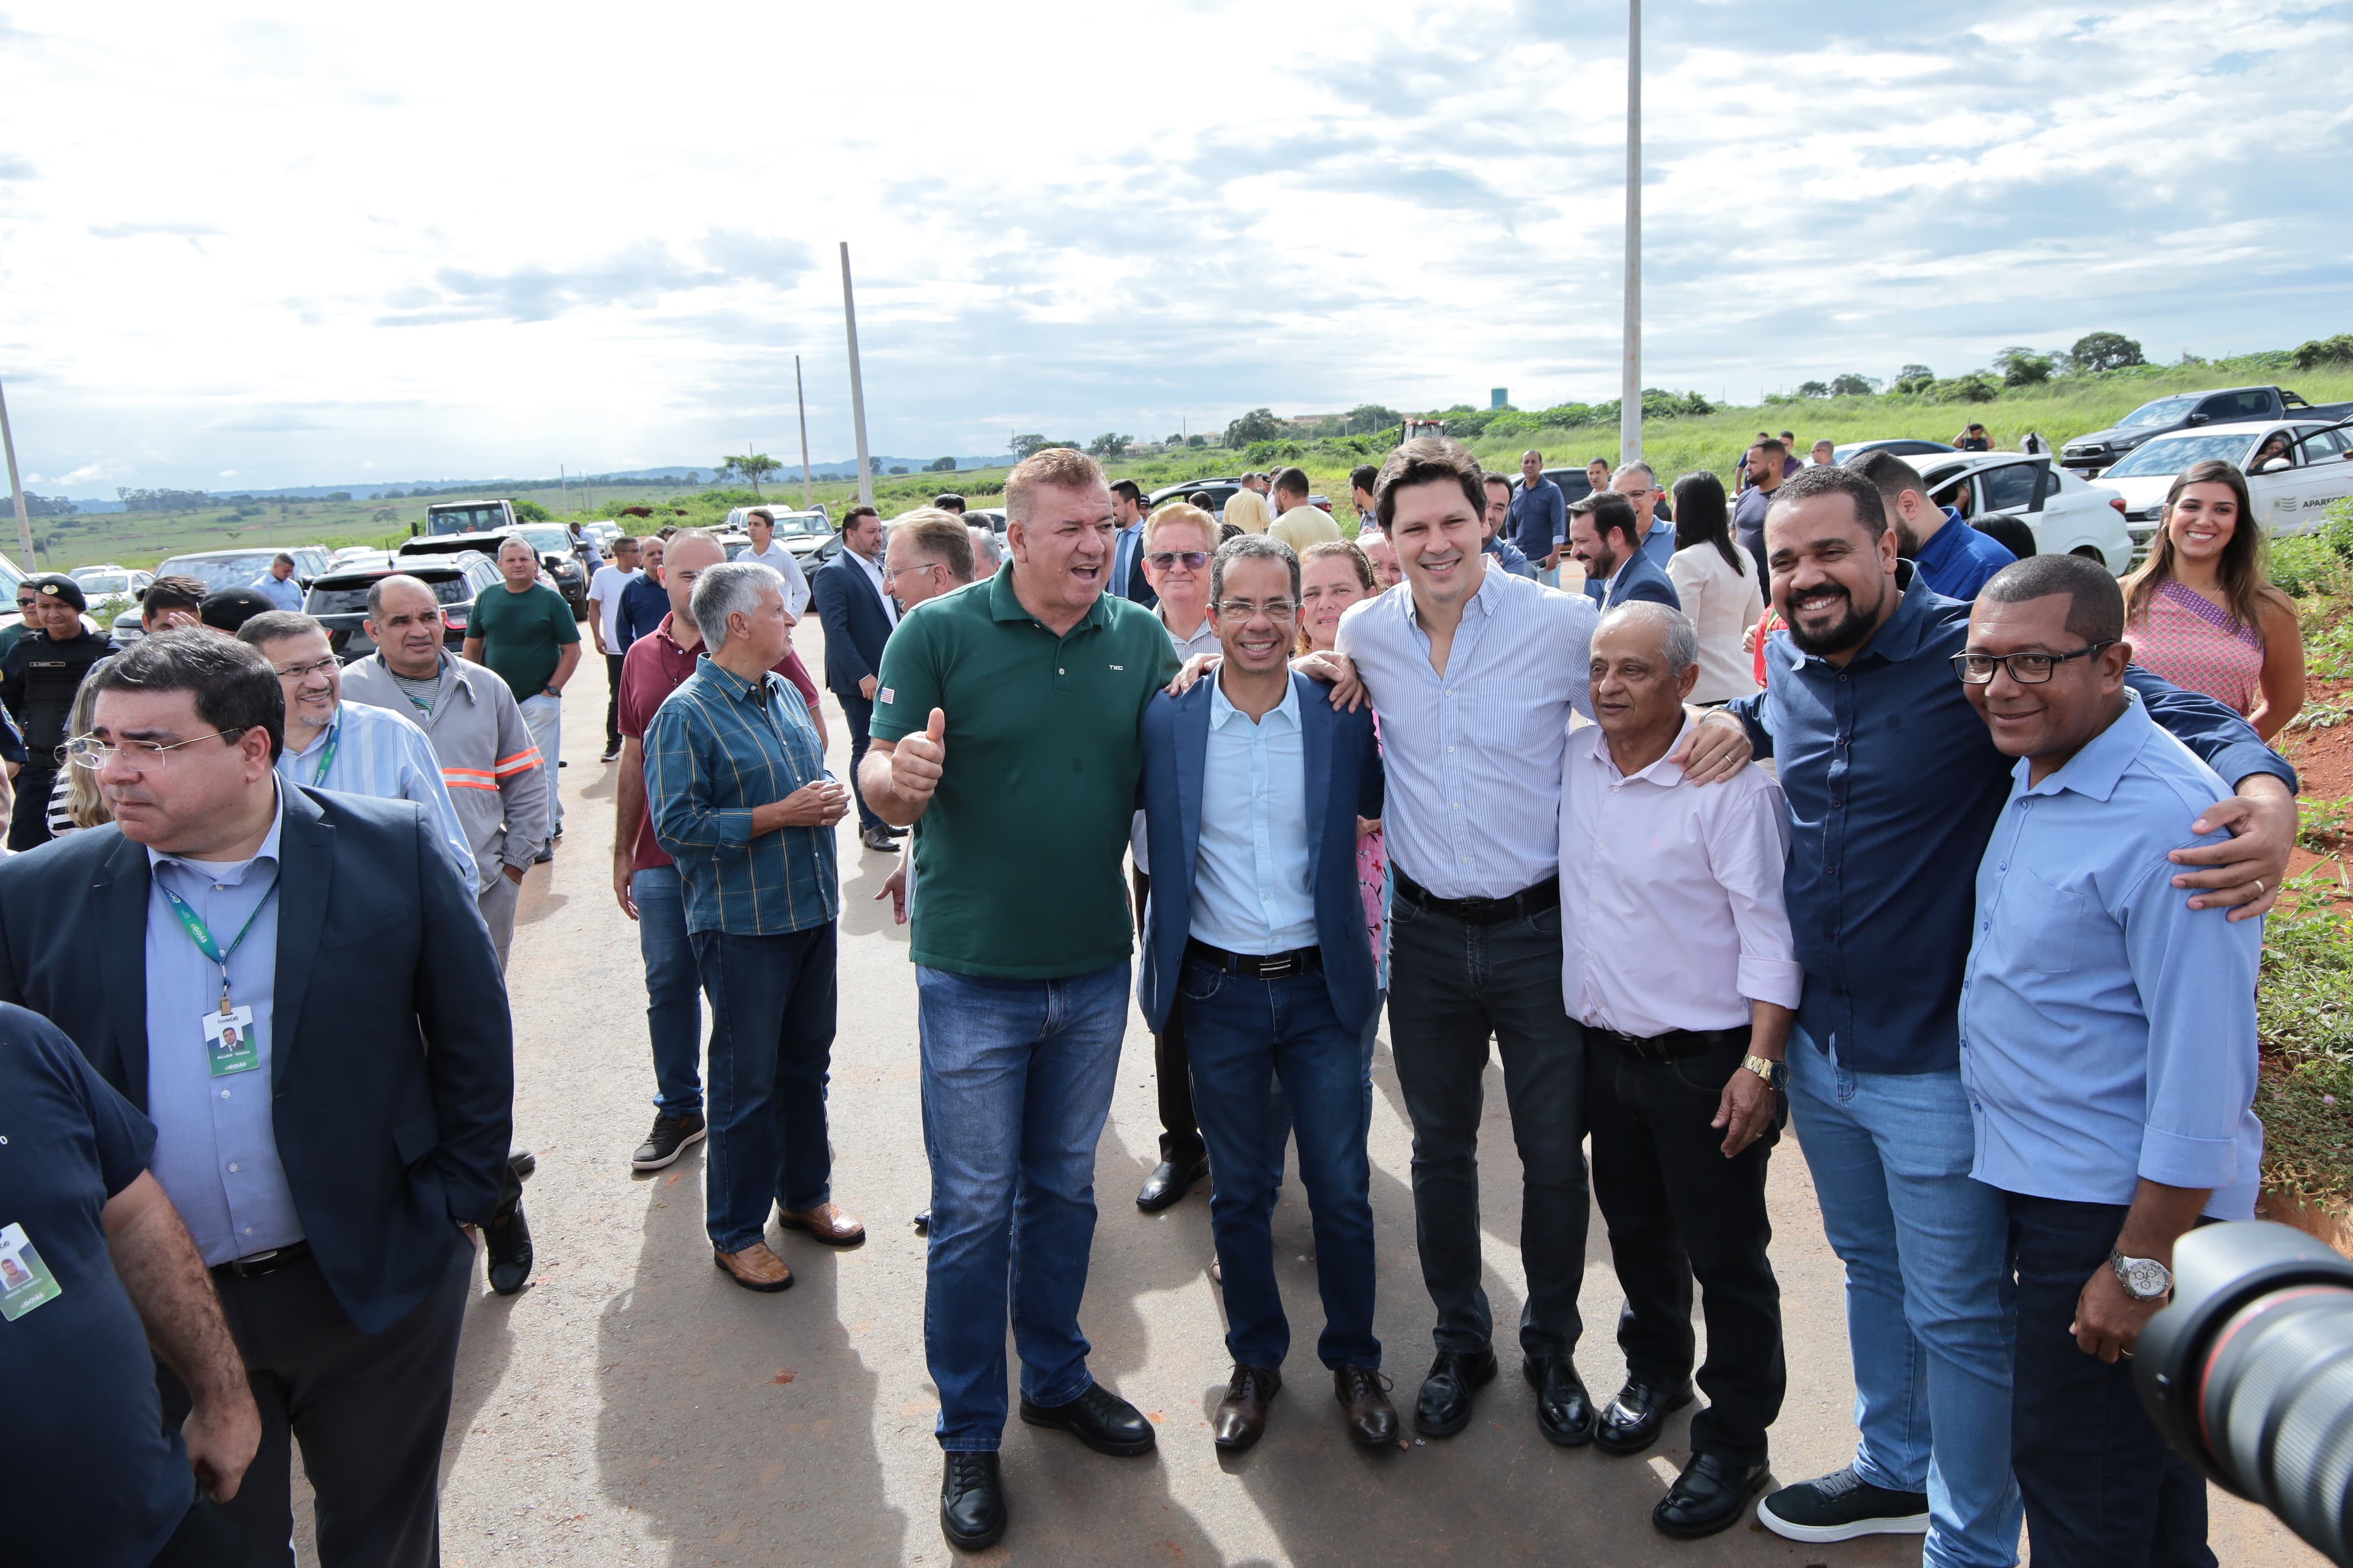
(1952, 557)
(644, 601)
(90, 1249)
(1539, 524)
(1894, 786)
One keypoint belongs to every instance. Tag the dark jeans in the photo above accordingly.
(2101, 1487)
(369, 1411)
(1677, 1209)
(1244, 1035)
(1452, 985)
(612, 699)
(673, 1005)
(860, 714)
(1172, 1077)
(28, 819)
(771, 1020)
(205, 1539)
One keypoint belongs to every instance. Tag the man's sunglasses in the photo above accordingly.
(1191, 560)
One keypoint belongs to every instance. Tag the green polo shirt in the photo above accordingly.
(523, 635)
(1018, 858)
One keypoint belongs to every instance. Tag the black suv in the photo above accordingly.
(338, 599)
(555, 547)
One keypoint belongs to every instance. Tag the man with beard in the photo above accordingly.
(1952, 557)
(1894, 787)
(1761, 473)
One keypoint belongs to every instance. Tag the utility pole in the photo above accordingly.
(801, 393)
(857, 385)
(16, 488)
(1629, 404)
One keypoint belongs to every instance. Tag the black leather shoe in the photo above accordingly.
(506, 1248)
(1630, 1422)
(1240, 1417)
(1169, 1183)
(1364, 1394)
(1712, 1494)
(971, 1502)
(1564, 1410)
(1444, 1406)
(1098, 1418)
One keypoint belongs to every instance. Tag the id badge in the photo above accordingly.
(25, 1281)
(228, 1042)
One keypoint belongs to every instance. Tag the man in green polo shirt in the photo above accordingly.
(524, 631)
(1018, 699)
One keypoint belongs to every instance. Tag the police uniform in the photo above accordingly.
(38, 678)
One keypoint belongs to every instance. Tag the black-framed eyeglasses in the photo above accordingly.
(304, 672)
(1191, 560)
(2026, 669)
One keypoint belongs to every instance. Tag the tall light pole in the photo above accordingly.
(857, 385)
(16, 488)
(1629, 404)
(800, 394)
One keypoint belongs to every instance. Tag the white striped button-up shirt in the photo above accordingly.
(380, 754)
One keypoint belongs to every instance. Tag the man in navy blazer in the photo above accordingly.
(1255, 928)
(1605, 534)
(331, 1099)
(855, 605)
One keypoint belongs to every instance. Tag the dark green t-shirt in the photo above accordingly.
(522, 635)
(1018, 857)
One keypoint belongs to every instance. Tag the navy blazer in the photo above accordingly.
(1638, 579)
(1344, 783)
(856, 624)
(393, 1089)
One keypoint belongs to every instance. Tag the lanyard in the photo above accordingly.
(200, 934)
(326, 761)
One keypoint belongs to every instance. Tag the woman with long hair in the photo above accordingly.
(1716, 581)
(74, 800)
(2202, 611)
(1333, 575)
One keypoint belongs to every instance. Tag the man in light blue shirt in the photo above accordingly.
(2107, 1049)
(278, 584)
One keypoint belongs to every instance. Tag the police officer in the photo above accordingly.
(37, 681)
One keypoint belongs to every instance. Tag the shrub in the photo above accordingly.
(2337, 349)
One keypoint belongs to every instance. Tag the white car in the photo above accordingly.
(802, 532)
(2068, 515)
(2291, 489)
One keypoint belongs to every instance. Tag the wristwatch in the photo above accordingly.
(1775, 1073)
(2144, 1279)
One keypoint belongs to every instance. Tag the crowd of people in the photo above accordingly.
(1914, 854)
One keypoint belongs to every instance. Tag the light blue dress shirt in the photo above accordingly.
(1251, 889)
(283, 593)
(380, 752)
(2107, 1028)
(216, 1150)
(1659, 544)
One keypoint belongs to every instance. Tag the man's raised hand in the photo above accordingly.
(917, 761)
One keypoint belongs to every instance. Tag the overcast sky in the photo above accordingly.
(245, 246)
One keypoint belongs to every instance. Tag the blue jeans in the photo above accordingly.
(860, 714)
(1279, 1106)
(1018, 1077)
(1245, 1035)
(673, 1002)
(772, 1019)
(1930, 1309)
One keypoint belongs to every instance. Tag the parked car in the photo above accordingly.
(2291, 491)
(448, 517)
(1219, 491)
(2067, 513)
(1901, 446)
(103, 582)
(802, 532)
(217, 569)
(12, 625)
(555, 547)
(2231, 405)
(338, 601)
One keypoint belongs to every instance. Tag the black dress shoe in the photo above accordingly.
(971, 1502)
(1630, 1422)
(1712, 1494)
(1169, 1183)
(506, 1247)
(875, 839)
(1098, 1418)
(1444, 1407)
(1564, 1410)
(1240, 1417)
(1364, 1394)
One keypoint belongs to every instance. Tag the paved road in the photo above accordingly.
(634, 1408)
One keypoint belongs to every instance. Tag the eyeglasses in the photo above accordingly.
(1281, 611)
(304, 672)
(891, 571)
(141, 756)
(1191, 560)
(2026, 669)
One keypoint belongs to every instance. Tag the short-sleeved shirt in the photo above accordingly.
(605, 601)
(94, 1476)
(1020, 851)
(523, 635)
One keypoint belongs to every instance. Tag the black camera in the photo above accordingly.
(2249, 1373)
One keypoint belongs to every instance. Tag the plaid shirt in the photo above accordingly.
(718, 747)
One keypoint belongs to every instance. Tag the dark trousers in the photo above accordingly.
(369, 1411)
(860, 714)
(612, 699)
(28, 819)
(1677, 1209)
(1245, 1034)
(2101, 1487)
(771, 1020)
(1172, 1071)
(1452, 985)
(205, 1539)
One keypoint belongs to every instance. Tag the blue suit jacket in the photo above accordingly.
(392, 1068)
(1344, 783)
(1638, 579)
(856, 626)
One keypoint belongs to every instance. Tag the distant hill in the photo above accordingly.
(847, 468)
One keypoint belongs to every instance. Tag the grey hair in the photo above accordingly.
(1679, 639)
(987, 554)
(272, 624)
(377, 588)
(1249, 546)
(518, 539)
(729, 588)
(1649, 473)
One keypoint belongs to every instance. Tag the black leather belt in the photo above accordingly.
(1676, 1044)
(1543, 896)
(1256, 966)
(260, 1263)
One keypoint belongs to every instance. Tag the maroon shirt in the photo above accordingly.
(650, 671)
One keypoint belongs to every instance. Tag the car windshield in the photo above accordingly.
(802, 522)
(2164, 411)
(233, 570)
(2173, 454)
(547, 541)
(348, 596)
(96, 583)
(478, 518)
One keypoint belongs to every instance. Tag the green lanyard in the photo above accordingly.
(200, 934)
(326, 755)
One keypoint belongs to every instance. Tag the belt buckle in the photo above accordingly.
(1278, 968)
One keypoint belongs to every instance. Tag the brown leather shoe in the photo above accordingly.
(755, 1269)
(1364, 1394)
(824, 1223)
(1240, 1419)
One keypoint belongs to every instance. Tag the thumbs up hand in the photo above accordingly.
(917, 761)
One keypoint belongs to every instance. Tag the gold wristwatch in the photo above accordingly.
(1775, 1073)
